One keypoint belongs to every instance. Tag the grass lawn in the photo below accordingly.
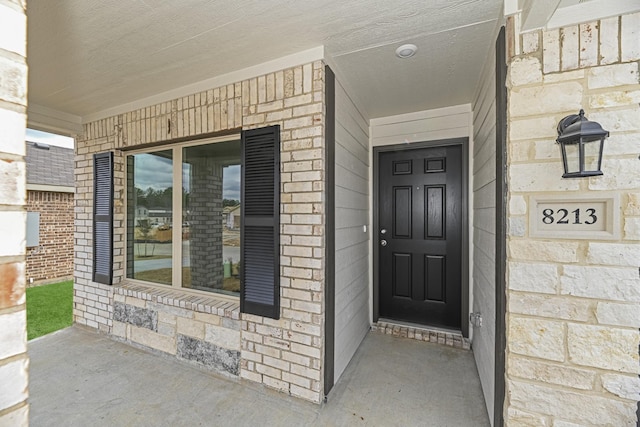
(49, 308)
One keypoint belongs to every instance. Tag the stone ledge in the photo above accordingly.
(437, 336)
(175, 298)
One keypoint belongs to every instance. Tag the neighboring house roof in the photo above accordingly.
(49, 165)
(233, 209)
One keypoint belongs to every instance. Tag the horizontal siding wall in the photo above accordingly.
(484, 238)
(351, 242)
(429, 125)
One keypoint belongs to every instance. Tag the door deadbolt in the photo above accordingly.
(383, 231)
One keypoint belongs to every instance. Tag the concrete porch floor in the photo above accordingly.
(80, 378)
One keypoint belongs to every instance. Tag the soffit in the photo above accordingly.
(86, 56)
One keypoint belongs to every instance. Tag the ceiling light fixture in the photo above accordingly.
(406, 51)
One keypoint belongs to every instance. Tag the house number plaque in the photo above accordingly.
(568, 217)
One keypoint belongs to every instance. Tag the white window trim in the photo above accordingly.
(176, 232)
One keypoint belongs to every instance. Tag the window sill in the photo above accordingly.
(211, 304)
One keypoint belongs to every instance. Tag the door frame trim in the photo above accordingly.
(464, 143)
(330, 235)
(501, 230)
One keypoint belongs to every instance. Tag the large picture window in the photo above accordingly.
(188, 238)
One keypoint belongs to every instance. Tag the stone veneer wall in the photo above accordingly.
(285, 354)
(573, 309)
(14, 409)
(52, 259)
(201, 329)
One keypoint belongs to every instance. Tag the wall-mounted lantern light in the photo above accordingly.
(581, 142)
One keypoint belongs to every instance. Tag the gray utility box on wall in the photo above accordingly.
(33, 229)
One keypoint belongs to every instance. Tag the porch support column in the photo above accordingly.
(14, 361)
(592, 274)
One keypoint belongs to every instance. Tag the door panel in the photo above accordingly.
(402, 167)
(402, 212)
(436, 213)
(435, 277)
(402, 275)
(420, 259)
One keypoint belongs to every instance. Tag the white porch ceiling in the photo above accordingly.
(87, 56)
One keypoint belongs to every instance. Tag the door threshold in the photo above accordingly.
(442, 336)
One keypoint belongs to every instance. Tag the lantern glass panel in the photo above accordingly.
(592, 155)
(573, 157)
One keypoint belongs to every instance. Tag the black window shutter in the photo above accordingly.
(260, 222)
(103, 218)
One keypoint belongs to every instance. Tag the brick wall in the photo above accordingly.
(286, 354)
(13, 104)
(573, 309)
(52, 259)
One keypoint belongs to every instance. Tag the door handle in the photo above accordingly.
(383, 242)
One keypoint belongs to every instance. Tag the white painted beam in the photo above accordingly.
(536, 13)
(49, 120)
(511, 7)
(51, 188)
(591, 11)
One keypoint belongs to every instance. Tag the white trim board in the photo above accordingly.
(51, 188)
(536, 13)
(580, 13)
(425, 114)
(427, 125)
(49, 120)
(591, 11)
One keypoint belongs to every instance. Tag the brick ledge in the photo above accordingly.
(437, 336)
(175, 298)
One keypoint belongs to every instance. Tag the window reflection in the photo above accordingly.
(207, 217)
(150, 216)
(211, 217)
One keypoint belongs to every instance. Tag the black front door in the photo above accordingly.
(420, 235)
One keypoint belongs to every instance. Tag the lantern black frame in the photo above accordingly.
(576, 129)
